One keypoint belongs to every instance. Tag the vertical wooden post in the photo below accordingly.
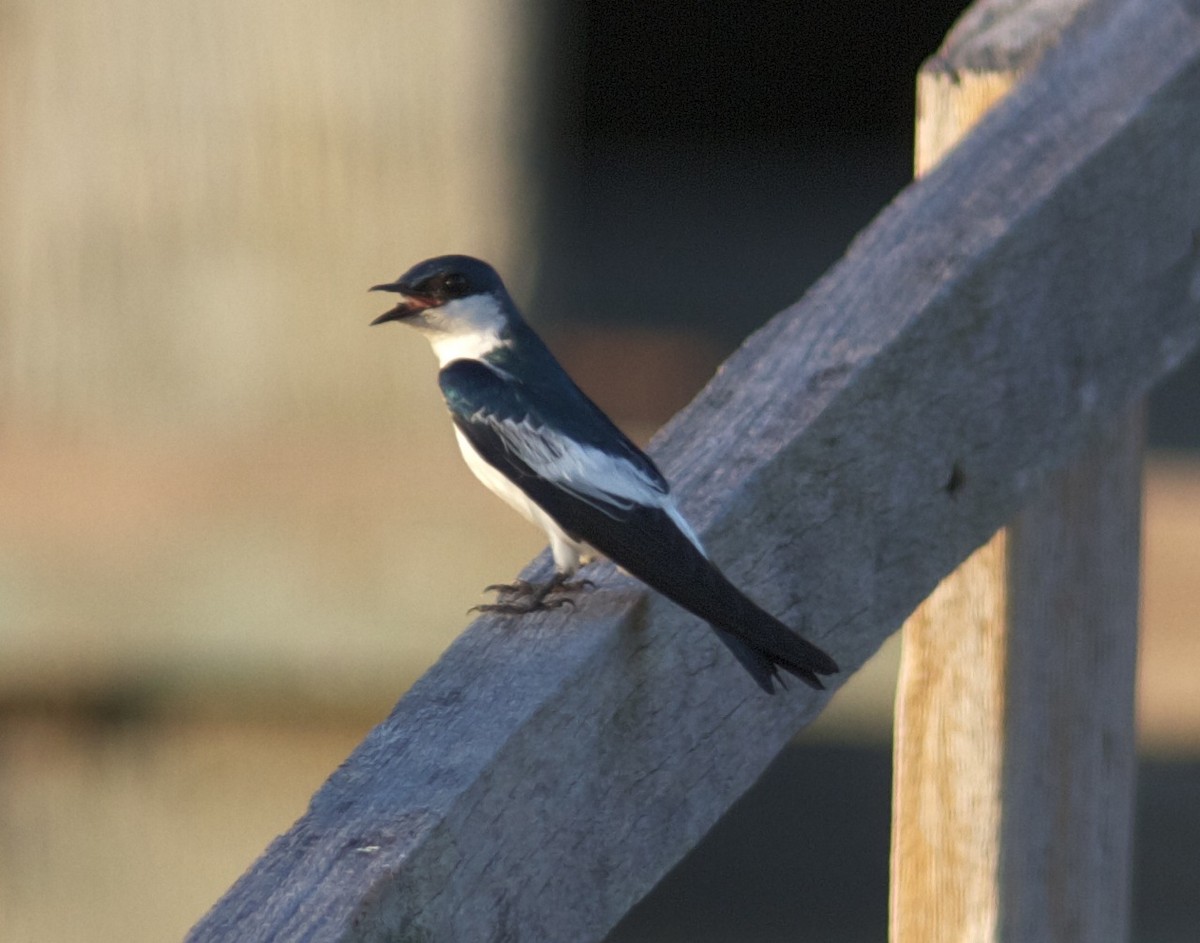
(1014, 741)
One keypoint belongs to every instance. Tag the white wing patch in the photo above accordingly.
(607, 482)
(683, 525)
(615, 484)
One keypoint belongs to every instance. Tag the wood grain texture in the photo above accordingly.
(984, 845)
(1066, 823)
(949, 756)
(547, 772)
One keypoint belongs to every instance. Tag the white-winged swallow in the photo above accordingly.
(532, 436)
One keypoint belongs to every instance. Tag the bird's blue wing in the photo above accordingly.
(543, 443)
(598, 497)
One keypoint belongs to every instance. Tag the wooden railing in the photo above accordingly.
(977, 358)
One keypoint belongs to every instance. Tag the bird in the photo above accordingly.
(534, 438)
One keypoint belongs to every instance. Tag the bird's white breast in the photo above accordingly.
(566, 551)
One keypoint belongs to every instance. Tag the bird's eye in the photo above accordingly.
(454, 284)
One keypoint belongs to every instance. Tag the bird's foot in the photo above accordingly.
(521, 596)
(515, 588)
(519, 604)
(572, 586)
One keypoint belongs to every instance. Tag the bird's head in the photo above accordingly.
(458, 283)
(458, 302)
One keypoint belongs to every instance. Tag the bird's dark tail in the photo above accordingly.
(648, 543)
(667, 560)
(798, 656)
(757, 639)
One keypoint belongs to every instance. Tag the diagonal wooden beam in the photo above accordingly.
(987, 327)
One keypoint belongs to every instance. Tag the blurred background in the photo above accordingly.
(234, 526)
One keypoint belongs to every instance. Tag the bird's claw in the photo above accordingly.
(521, 596)
(523, 608)
(515, 588)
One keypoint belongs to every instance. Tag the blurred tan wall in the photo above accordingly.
(211, 463)
(194, 196)
(222, 495)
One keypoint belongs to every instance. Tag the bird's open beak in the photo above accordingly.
(411, 303)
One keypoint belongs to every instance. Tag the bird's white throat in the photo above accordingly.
(465, 329)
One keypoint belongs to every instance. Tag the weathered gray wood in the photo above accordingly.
(1066, 824)
(545, 773)
(1017, 674)
(1003, 36)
